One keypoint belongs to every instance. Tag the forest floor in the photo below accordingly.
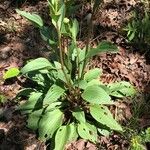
(20, 41)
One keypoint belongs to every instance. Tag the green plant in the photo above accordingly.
(12, 72)
(138, 28)
(138, 142)
(68, 101)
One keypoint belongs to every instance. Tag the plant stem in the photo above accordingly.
(62, 60)
(78, 63)
(89, 21)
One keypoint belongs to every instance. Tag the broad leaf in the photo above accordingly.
(54, 19)
(102, 47)
(53, 106)
(60, 73)
(121, 89)
(96, 95)
(31, 103)
(53, 94)
(48, 34)
(64, 135)
(25, 92)
(33, 119)
(74, 29)
(36, 19)
(132, 35)
(12, 72)
(61, 17)
(92, 74)
(49, 123)
(39, 63)
(103, 132)
(105, 88)
(94, 82)
(45, 33)
(51, 6)
(79, 115)
(37, 77)
(88, 132)
(104, 116)
(82, 84)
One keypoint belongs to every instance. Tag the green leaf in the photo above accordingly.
(87, 131)
(102, 47)
(64, 135)
(12, 72)
(45, 33)
(37, 64)
(147, 135)
(131, 36)
(137, 143)
(94, 82)
(49, 123)
(104, 116)
(53, 94)
(65, 30)
(51, 5)
(92, 74)
(121, 89)
(33, 119)
(103, 132)
(79, 115)
(54, 20)
(82, 84)
(60, 73)
(30, 104)
(36, 19)
(105, 88)
(38, 77)
(48, 34)
(53, 106)
(72, 53)
(74, 29)
(25, 92)
(96, 95)
(61, 17)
